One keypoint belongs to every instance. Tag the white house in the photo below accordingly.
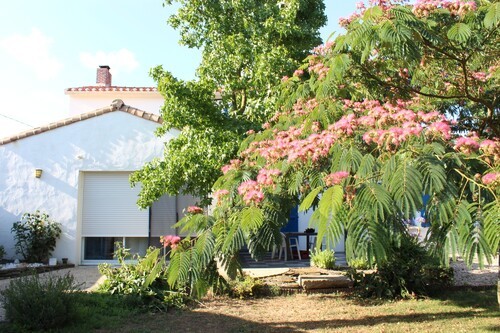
(85, 161)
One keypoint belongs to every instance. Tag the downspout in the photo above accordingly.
(149, 226)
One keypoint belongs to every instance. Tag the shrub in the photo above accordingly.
(35, 236)
(359, 263)
(247, 286)
(410, 271)
(39, 303)
(323, 259)
(147, 279)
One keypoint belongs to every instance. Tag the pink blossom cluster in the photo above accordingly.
(385, 5)
(323, 49)
(251, 192)
(456, 7)
(492, 178)
(471, 144)
(479, 76)
(467, 145)
(298, 73)
(491, 148)
(300, 108)
(219, 194)
(291, 145)
(170, 240)
(387, 125)
(233, 165)
(265, 176)
(335, 178)
(195, 210)
(318, 67)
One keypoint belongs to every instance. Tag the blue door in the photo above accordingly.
(293, 221)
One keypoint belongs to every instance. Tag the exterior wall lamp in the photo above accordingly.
(38, 173)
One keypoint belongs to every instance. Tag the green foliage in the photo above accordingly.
(146, 278)
(33, 302)
(359, 263)
(323, 259)
(35, 236)
(259, 42)
(193, 269)
(409, 271)
(246, 286)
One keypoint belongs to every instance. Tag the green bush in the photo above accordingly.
(33, 302)
(410, 271)
(359, 263)
(247, 286)
(146, 278)
(323, 259)
(35, 236)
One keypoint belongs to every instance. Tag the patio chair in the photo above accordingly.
(282, 249)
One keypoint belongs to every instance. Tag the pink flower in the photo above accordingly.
(194, 210)
(233, 165)
(490, 147)
(298, 73)
(219, 194)
(170, 240)
(467, 145)
(251, 192)
(264, 177)
(335, 178)
(491, 178)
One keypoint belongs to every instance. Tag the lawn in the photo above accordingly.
(457, 311)
(464, 311)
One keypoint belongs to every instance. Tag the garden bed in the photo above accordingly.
(19, 271)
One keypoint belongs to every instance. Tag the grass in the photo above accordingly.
(453, 311)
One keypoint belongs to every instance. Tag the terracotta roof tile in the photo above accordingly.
(116, 105)
(110, 89)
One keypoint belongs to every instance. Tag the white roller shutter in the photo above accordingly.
(163, 216)
(110, 206)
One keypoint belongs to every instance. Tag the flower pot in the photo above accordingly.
(65, 261)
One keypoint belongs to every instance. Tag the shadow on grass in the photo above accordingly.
(94, 311)
(469, 298)
(210, 322)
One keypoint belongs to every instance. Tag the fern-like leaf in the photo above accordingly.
(459, 32)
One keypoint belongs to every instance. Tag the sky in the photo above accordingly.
(47, 46)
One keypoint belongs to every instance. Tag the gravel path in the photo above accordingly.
(474, 276)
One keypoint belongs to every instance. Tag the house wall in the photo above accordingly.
(81, 102)
(115, 141)
(304, 218)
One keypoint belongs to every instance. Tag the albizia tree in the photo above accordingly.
(403, 104)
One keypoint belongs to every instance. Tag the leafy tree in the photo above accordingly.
(360, 133)
(247, 46)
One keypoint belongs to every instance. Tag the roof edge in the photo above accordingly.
(116, 105)
(109, 89)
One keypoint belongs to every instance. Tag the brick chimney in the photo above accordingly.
(103, 76)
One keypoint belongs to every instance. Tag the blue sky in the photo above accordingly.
(47, 46)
